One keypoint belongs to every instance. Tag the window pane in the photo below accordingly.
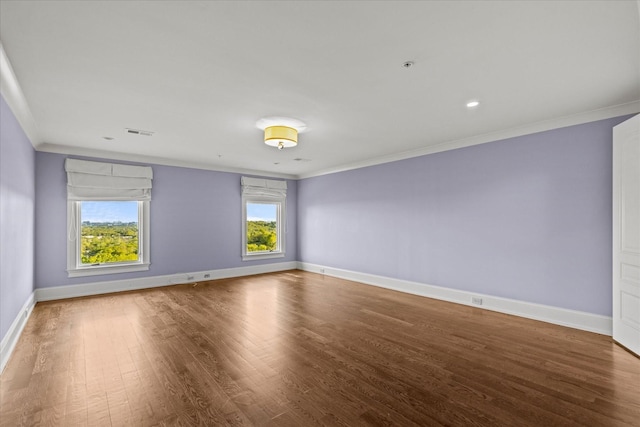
(262, 234)
(109, 232)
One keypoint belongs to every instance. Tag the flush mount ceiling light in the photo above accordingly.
(281, 132)
(281, 137)
(473, 103)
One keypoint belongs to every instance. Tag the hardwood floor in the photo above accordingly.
(297, 348)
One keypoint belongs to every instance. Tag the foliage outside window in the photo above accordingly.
(109, 232)
(262, 227)
(108, 237)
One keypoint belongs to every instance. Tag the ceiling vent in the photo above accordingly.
(139, 132)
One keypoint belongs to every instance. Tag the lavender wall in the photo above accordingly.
(196, 220)
(527, 218)
(17, 198)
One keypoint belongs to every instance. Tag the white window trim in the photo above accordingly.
(280, 227)
(74, 265)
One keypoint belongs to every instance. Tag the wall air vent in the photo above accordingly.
(139, 132)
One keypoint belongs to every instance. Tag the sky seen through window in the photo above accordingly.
(261, 212)
(110, 211)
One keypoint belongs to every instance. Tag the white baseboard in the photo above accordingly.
(97, 288)
(15, 330)
(559, 316)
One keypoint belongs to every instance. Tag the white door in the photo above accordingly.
(626, 234)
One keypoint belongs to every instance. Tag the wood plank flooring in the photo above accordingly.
(298, 349)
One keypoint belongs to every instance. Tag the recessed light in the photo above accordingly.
(472, 104)
(407, 64)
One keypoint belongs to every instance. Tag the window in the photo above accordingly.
(108, 218)
(263, 213)
(108, 237)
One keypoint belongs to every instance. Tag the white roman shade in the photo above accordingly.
(263, 187)
(107, 181)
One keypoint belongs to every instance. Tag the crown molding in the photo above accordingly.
(557, 123)
(12, 93)
(561, 122)
(141, 158)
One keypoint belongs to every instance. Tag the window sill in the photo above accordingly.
(112, 269)
(262, 255)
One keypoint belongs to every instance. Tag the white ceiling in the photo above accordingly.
(200, 74)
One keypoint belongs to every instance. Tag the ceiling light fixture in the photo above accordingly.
(473, 104)
(281, 137)
(281, 132)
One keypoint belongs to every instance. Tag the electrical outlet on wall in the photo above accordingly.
(190, 277)
(476, 300)
(207, 275)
